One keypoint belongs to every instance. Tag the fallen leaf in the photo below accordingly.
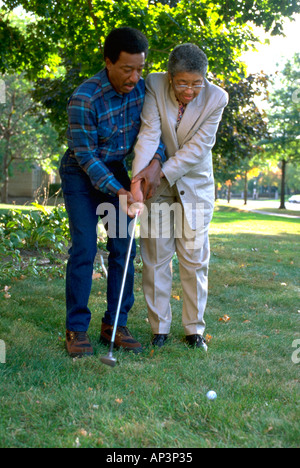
(177, 298)
(96, 276)
(208, 338)
(225, 318)
(119, 401)
(270, 428)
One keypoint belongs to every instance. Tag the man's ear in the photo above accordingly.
(108, 63)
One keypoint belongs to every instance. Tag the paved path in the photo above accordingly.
(261, 207)
(280, 215)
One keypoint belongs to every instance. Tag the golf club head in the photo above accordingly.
(109, 360)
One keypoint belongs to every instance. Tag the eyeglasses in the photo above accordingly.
(194, 87)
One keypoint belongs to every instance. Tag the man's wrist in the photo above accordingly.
(157, 157)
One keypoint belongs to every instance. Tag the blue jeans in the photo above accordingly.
(83, 202)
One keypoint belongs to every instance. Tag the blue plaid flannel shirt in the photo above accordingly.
(103, 126)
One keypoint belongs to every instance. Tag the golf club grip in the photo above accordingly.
(124, 278)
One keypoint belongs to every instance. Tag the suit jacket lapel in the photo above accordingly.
(172, 114)
(190, 117)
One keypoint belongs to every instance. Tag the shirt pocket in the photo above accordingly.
(135, 120)
(106, 134)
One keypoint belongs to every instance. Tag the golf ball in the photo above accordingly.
(211, 395)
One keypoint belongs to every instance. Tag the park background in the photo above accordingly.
(157, 399)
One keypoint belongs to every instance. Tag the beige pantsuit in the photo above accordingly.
(157, 253)
(189, 184)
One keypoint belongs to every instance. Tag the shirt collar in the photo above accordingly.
(108, 90)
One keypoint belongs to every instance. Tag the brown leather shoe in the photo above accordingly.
(78, 344)
(124, 339)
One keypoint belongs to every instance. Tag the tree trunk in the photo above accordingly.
(4, 192)
(246, 188)
(282, 198)
(5, 174)
(228, 193)
(6, 157)
(216, 192)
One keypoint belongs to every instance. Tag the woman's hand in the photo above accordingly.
(149, 179)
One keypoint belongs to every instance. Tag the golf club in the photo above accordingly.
(109, 359)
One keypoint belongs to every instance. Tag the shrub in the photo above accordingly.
(37, 230)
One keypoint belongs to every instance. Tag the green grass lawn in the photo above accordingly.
(157, 399)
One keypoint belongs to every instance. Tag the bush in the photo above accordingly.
(38, 230)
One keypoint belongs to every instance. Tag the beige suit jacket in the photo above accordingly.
(189, 149)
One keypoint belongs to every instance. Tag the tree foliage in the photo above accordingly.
(23, 138)
(60, 43)
(284, 119)
(242, 128)
(63, 44)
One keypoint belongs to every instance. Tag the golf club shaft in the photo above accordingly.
(124, 280)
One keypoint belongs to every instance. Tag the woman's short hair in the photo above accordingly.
(125, 39)
(187, 58)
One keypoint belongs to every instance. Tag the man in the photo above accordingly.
(104, 120)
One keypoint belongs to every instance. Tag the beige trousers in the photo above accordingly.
(158, 247)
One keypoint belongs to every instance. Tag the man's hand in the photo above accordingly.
(149, 179)
(129, 204)
(137, 191)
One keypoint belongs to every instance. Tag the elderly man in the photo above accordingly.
(104, 120)
(184, 110)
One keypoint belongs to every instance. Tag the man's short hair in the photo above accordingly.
(125, 39)
(187, 58)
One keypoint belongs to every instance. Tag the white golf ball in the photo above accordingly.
(211, 395)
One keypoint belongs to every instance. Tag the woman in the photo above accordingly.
(183, 110)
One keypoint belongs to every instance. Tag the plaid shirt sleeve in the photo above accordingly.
(84, 135)
(161, 151)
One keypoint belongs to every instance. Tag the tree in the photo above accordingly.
(70, 37)
(22, 136)
(242, 127)
(284, 120)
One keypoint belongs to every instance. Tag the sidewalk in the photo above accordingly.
(266, 207)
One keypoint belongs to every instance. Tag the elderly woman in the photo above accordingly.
(183, 109)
